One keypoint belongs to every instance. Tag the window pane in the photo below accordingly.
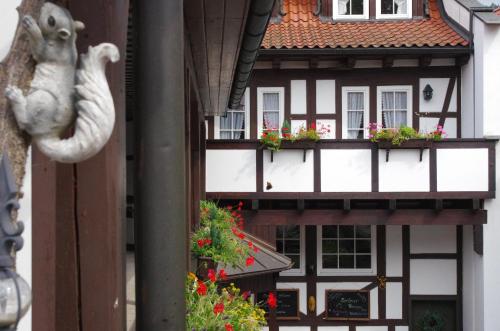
(238, 121)
(271, 101)
(400, 7)
(363, 231)
(346, 246)
(225, 135)
(271, 120)
(279, 246)
(388, 119)
(357, 7)
(346, 231)
(355, 101)
(354, 119)
(363, 261)
(292, 246)
(239, 135)
(329, 231)
(400, 100)
(363, 246)
(330, 246)
(387, 7)
(354, 134)
(387, 100)
(292, 232)
(225, 121)
(400, 118)
(330, 261)
(346, 261)
(296, 261)
(279, 232)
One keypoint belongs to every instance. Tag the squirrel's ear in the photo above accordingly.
(63, 34)
(79, 26)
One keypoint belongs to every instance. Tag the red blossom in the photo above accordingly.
(212, 275)
(240, 204)
(200, 243)
(222, 274)
(255, 249)
(250, 244)
(229, 207)
(250, 261)
(246, 295)
(202, 288)
(271, 300)
(241, 235)
(229, 327)
(218, 308)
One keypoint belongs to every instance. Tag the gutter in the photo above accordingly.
(255, 29)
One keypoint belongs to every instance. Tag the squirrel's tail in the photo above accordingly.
(95, 110)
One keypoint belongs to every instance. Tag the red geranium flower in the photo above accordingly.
(255, 249)
(218, 308)
(271, 300)
(246, 295)
(222, 274)
(202, 288)
(211, 275)
(241, 235)
(250, 261)
(200, 243)
(229, 327)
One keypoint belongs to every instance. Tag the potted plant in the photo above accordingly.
(431, 321)
(393, 138)
(219, 238)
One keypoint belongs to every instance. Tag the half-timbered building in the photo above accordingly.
(382, 237)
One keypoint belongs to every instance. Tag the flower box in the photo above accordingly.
(203, 265)
(303, 144)
(419, 144)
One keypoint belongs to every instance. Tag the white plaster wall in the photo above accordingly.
(371, 328)
(440, 86)
(322, 287)
(491, 77)
(394, 175)
(24, 256)
(231, 170)
(302, 287)
(463, 169)
(433, 239)
(294, 328)
(298, 95)
(288, 172)
(401, 328)
(296, 125)
(479, 72)
(8, 25)
(457, 12)
(394, 251)
(429, 124)
(472, 284)
(325, 96)
(394, 300)
(333, 328)
(467, 99)
(346, 170)
(433, 277)
(330, 124)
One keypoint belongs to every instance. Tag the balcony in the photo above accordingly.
(352, 169)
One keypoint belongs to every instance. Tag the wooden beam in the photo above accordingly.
(276, 63)
(424, 61)
(477, 238)
(366, 217)
(300, 205)
(438, 204)
(255, 204)
(388, 61)
(347, 204)
(392, 205)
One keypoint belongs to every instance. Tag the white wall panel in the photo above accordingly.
(371, 328)
(394, 251)
(402, 328)
(374, 303)
(296, 125)
(294, 328)
(322, 287)
(288, 172)
(404, 172)
(329, 125)
(458, 12)
(429, 124)
(433, 277)
(440, 86)
(333, 328)
(394, 300)
(433, 239)
(346, 170)
(298, 94)
(231, 170)
(462, 169)
(450, 127)
(325, 96)
(302, 287)
(8, 25)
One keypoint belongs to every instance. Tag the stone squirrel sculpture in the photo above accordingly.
(60, 94)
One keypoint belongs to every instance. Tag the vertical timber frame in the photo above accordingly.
(78, 210)
(161, 229)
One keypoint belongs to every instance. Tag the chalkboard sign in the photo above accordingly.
(287, 303)
(347, 305)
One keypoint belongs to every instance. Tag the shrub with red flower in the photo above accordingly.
(397, 136)
(272, 301)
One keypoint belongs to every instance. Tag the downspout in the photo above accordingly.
(255, 29)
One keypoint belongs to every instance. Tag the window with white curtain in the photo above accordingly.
(394, 106)
(354, 112)
(270, 108)
(234, 125)
(350, 9)
(346, 249)
(394, 8)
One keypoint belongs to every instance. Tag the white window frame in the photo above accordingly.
(246, 95)
(366, 115)
(302, 270)
(379, 14)
(337, 16)
(396, 88)
(260, 106)
(346, 271)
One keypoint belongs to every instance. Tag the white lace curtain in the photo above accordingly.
(271, 107)
(355, 111)
(343, 7)
(394, 109)
(401, 6)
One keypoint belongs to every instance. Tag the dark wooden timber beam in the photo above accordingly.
(424, 61)
(365, 217)
(388, 61)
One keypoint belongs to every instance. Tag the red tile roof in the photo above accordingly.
(300, 28)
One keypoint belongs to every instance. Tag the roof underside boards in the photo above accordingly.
(215, 31)
(301, 29)
(267, 260)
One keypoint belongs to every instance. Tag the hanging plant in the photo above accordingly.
(376, 133)
(431, 321)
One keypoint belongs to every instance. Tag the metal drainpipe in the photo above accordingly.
(258, 18)
(161, 231)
